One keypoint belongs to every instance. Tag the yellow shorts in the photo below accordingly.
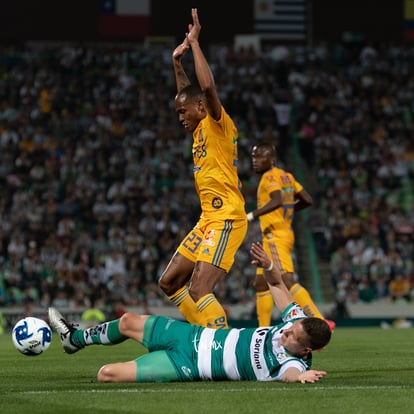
(280, 251)
(214, 241)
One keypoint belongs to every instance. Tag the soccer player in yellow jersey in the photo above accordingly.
(207, 253)
(279, 195)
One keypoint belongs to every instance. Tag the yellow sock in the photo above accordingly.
(302, 297)
(264, 307)
(186, 306)
(213, 313)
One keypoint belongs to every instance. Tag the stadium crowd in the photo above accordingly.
(96, 172)
(359, 137)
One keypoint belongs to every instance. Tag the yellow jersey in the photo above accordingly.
(278, 223)
(215, 168)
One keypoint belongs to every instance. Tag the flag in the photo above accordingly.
(280, 19)
(126, 19)
(409, 20)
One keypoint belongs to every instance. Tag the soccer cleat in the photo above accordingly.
(65, 331)
(331, 324)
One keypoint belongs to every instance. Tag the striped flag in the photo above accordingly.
(126, 19)
(280, 19)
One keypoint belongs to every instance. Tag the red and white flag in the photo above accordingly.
(124, 19)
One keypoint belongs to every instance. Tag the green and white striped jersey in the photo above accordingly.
(247, 354)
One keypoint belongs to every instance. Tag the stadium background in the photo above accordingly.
(326, 21)
(80, 20)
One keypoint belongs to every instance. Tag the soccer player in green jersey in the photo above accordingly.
(179, 351)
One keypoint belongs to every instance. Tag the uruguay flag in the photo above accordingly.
(280, 19)
(124, 19)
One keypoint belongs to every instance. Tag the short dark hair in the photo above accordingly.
(318, 331)
(267, 146)
(191, 92)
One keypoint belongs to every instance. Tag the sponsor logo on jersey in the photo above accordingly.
(199, 152)
(256, 353)
(285, 179)
(293, 313)
(216, 345)
(206, 251)
(217, 203)
(257, 345)
(200, 137)
(209, 238)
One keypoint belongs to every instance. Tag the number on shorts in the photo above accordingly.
(192, 242)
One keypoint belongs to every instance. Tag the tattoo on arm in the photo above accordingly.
(182, 79)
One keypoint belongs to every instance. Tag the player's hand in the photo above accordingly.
(260, 257)
(311, 376)
(181, 50)
(195, 28)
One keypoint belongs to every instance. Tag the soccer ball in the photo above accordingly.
(31, 336)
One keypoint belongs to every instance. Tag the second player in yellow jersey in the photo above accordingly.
(279, 196)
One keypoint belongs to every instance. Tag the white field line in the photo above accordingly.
(235, 390)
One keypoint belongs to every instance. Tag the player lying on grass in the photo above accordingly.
(179, 351)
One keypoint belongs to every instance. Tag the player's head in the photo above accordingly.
(305, 336)
(190, 106)
(263, 157)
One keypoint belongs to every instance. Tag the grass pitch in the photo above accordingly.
(370, 370)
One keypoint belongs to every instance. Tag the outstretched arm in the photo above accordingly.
(203, 72)
(273, 276)
(294, 375)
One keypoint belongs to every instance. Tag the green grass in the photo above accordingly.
(369, 371)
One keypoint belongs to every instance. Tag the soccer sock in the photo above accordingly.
(212, 312)
(104, 334)
(302, 297)
(186, 305)
(264, 307)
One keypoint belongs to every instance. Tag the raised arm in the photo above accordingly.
(273, 276)
(203, 72)
(282, 299)
(181, 78)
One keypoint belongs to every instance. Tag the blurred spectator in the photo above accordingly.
(400, 289)
(115, 264)
(92, 159)
(366, 289)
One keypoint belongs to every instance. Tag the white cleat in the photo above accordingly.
(65, 330)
